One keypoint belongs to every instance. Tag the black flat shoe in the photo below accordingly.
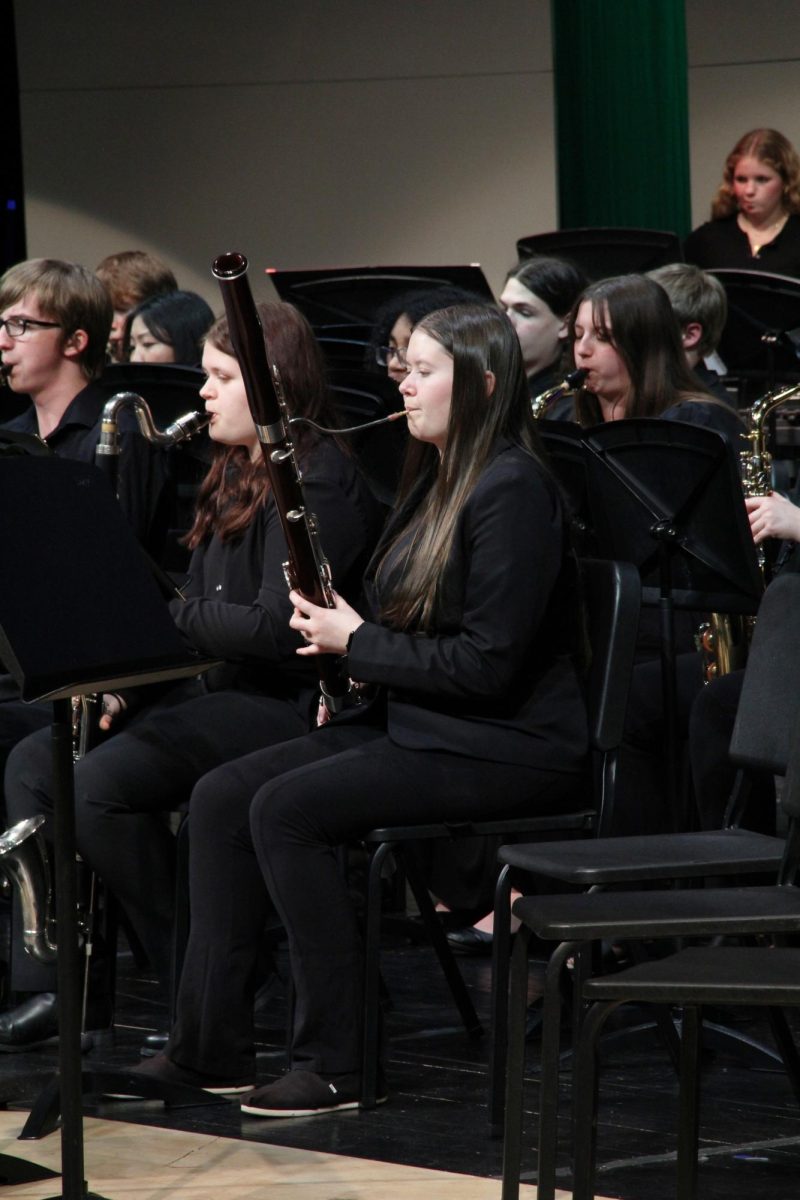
(470, 941)
(30, 1024)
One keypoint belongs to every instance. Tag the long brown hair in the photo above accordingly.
(235, 488)
(634, 314)
(433, 491)
(767, 146)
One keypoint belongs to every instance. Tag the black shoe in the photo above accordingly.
(304, 1094)
(470, 941)
(31, 1023)
(164, 1069)
(153, 1044)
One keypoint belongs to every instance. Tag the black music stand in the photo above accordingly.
(170, 389)
(343, 301)
(602, 252)
(761, 339)
(80, 613)
(362, 396)
(667, 496)
(563, 441)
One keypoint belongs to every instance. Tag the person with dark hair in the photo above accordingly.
(236, 609)
(168, 329)
(538, 296)
(130, 277)
(472, 705)
(395, 321)
(755, 215)
(625, 334)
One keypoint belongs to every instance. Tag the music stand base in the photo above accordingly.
(43, 1118)
(16, 1171)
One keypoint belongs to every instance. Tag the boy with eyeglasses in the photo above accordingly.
(54, 323)
(55, 319)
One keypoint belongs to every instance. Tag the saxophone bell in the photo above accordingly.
(24, 862)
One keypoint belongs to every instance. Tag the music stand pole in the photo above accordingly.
(74, 1186)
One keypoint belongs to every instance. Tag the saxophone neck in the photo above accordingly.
(568, 385)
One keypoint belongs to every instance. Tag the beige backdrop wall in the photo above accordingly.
(309, 133)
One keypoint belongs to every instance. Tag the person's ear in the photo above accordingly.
(75, 344)
(563, 330)
(491, 381)
(691, 335)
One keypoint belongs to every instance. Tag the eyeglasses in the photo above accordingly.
(384, 353)
(17, 327)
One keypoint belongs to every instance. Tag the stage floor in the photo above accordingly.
(431, 1139)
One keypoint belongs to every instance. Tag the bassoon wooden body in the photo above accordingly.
(306, 569)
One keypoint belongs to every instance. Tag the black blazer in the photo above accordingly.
(495, 681)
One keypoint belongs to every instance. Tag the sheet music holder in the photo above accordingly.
(563, 442)
(361, 396)
(667, 496)
(602, 251)
(170, 389)
(80, 612)
(761, 339)
(339, 300)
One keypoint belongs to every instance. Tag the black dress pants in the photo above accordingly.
(125, 786)
(309, 797)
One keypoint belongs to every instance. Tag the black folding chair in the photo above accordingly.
(612, 591)
(763, 739)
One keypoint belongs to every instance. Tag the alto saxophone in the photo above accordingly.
(724, 639)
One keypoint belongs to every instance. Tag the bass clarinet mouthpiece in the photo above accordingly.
(229, 266)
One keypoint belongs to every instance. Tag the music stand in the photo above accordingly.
(761, 338)
(80, 613)
(362, 396)
(667, 496)
(601, 252)
(339, 299)
(563, 441)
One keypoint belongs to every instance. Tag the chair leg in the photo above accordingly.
(501, 952)
(786, 1047)
(515, 1065)
(689, 1116)
(371, 1006)
(549, 1071)
(433, 925)
(585, 1087)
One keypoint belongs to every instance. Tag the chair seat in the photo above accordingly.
(582, 819)
(708, 975)
(632, 915)
(637, 859)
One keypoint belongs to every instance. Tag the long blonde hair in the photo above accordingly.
(433, 491)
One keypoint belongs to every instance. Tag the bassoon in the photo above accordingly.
(307, 570)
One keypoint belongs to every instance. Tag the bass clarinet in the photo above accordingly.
(307, 569)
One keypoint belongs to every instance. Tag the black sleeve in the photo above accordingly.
(260, 629)
(511, 544)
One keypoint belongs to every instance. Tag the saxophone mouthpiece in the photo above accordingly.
(186, 426)
(576, 378)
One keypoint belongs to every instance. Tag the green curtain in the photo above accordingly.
(622, 127)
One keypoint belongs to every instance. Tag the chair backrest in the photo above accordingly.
(769, 707)
(613, 596)
(601, 252)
